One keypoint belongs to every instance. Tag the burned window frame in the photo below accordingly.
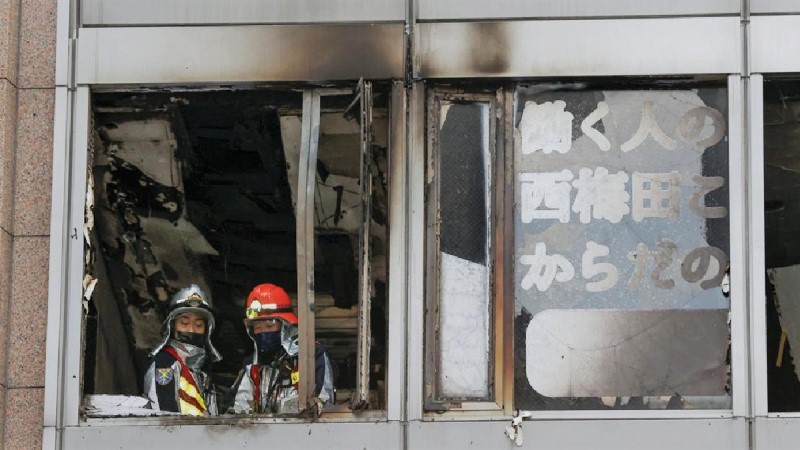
(638, 86)
(738, 319)
(499, 102)
(305, 227)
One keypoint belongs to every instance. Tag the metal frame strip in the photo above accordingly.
(737, 179)
(398, 241)
(309, 141)
(441, 10)
(200, 12)
(505, 293)
(73, 302)
(757, 247)
(416, 251)
(361, 399)
(53, 390)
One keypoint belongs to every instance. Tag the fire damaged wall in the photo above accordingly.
(197, 187)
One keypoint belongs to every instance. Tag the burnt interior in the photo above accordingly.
(200, 187)
(782, 234)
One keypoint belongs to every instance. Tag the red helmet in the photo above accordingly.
(267, 300)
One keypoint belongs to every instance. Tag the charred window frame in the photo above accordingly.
(775, 251)
(721, 159)
(446, 353)
(361, 107)
(360, 111)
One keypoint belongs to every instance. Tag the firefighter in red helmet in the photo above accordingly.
(268, 381)
(175, 380)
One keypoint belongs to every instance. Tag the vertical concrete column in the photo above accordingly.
(9, 44)
(25, 219)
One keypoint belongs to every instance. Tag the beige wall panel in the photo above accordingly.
(34, 160)
(37, 49)
(28, 312)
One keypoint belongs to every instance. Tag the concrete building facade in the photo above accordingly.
(573, 218)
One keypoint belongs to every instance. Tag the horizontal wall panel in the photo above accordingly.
(674, 46)
(774, 44)
(253, 53)
(774, 6)
(664, 434)
(713, 434)
(776, 433)
(501, 9)
(242, 433)
(188, 12)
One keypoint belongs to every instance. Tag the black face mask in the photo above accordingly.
(269, 342)
(196, 339)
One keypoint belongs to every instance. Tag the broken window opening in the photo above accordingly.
(201, 187)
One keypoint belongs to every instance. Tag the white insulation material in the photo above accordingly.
(787, 289)
(464, 328)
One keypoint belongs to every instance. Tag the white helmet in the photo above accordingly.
(190, 300)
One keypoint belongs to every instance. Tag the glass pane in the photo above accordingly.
(781, 218)
(464, 259)
(621, 248)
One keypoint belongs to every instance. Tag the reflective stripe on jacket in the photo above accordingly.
(274, 384)
(171, 386)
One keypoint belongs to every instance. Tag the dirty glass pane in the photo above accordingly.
(464, 262)
(781, 211)
(621, 248)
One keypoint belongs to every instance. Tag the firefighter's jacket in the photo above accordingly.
(268, 383)
(173, 385)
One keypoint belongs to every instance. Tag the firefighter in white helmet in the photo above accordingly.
(175, 380)
(268, 381)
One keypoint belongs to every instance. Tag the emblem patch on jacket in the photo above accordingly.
(164, 376)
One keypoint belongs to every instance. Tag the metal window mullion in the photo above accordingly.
(59, 224)
(432, 259)
(416, 253)
(738, 255)
(73, 306)
(505, 298)
(365, 303)
(398, 241)
(756, 247)
(309, 143)
(490, 209)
